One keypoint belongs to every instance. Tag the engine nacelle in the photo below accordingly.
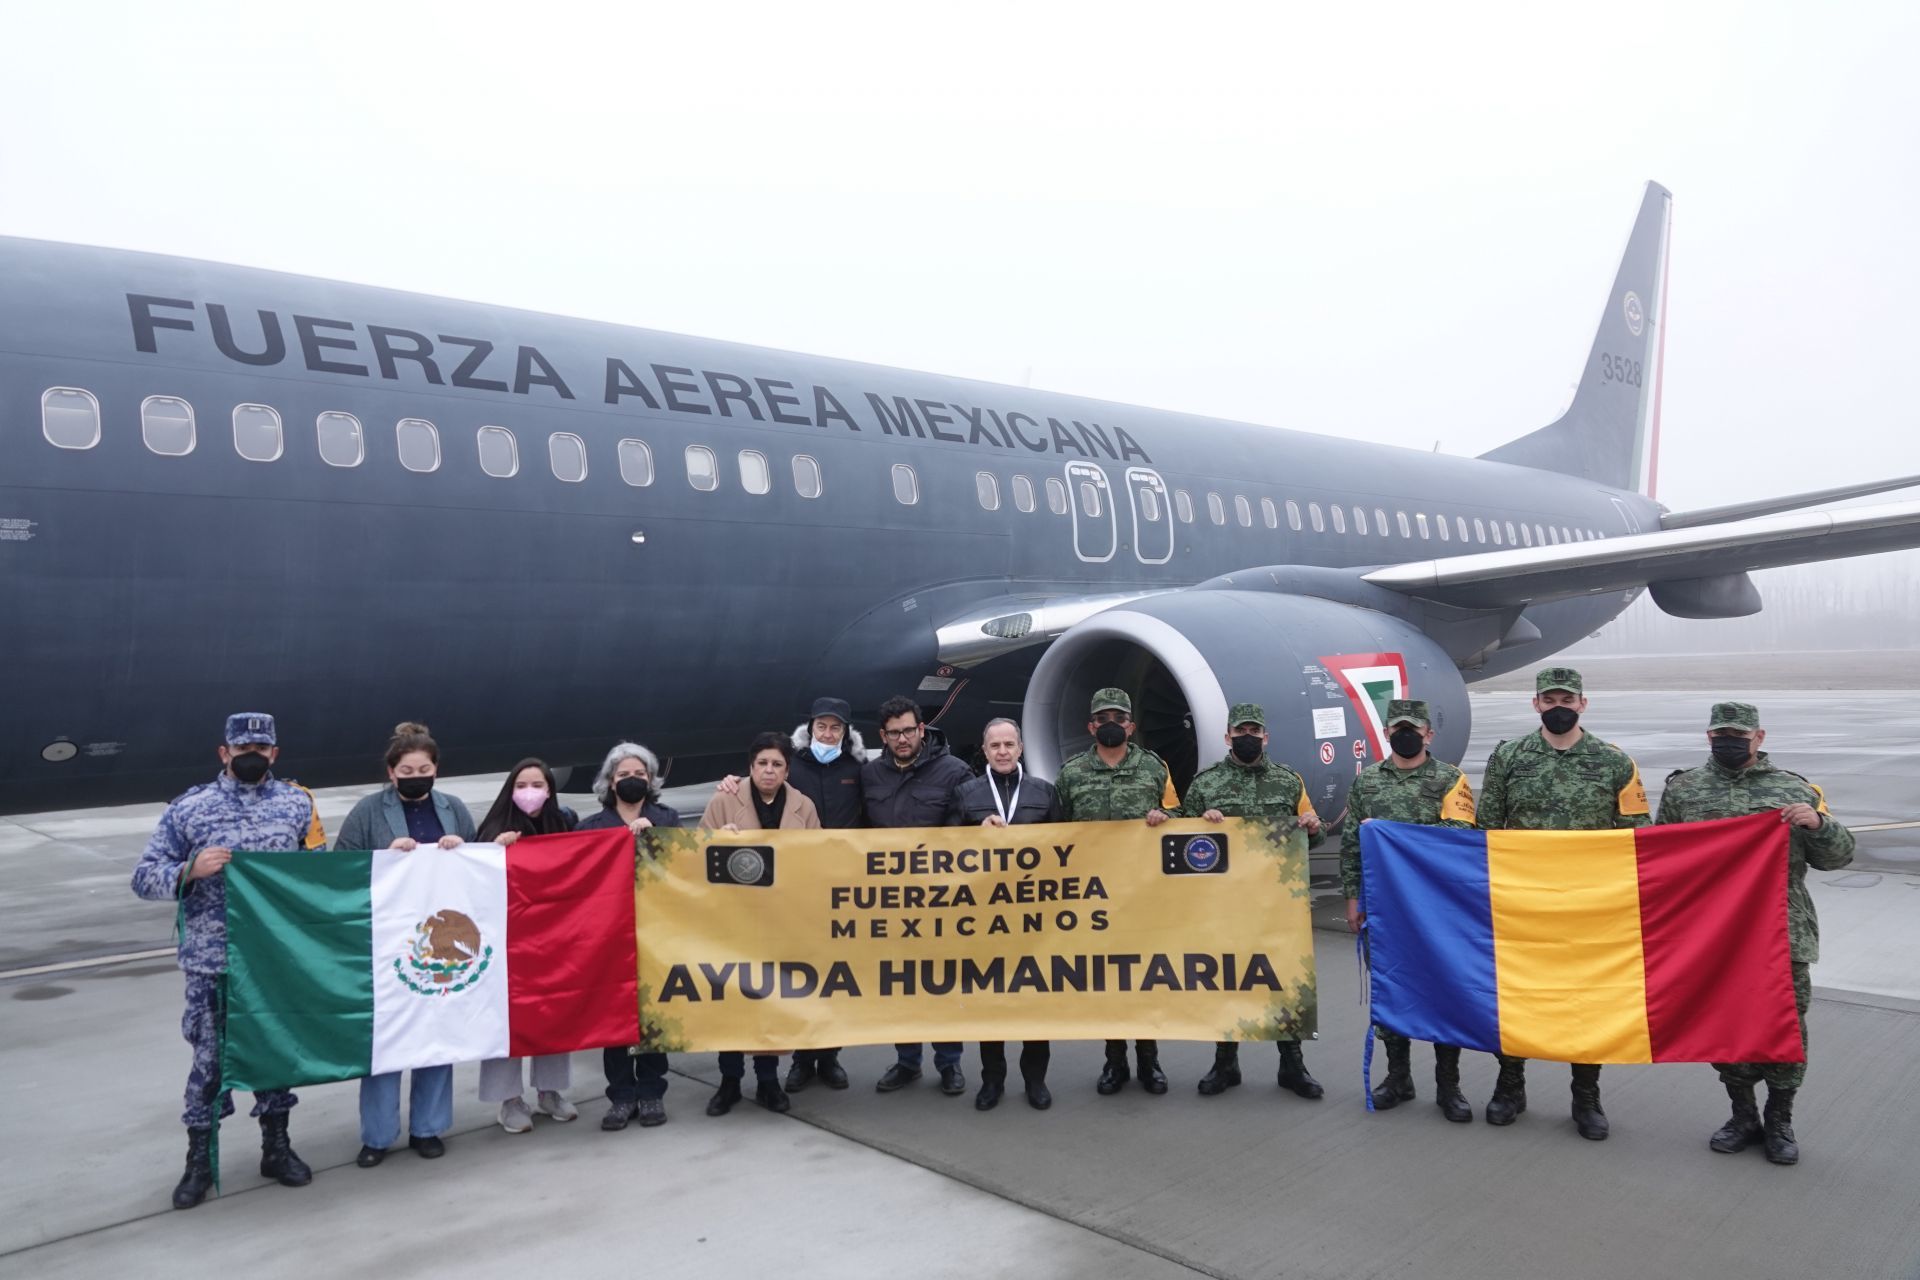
(1322, 670)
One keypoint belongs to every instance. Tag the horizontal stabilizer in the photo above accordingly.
(1529, 575)
(1788, 502)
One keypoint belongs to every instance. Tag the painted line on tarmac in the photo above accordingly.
(126, 957)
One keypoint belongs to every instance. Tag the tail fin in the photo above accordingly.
(1610, 434)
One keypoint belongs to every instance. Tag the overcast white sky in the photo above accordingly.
(1392, 224)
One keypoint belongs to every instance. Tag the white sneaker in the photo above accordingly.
(552, 1104)
(514, 1116)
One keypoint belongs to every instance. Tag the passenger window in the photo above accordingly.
(1269, 513)
(806, 476)
(567, 455)
(1243, 510)
(1359, 519)
(1216, 509)
(1564, 535)
(1512, 539)
(755, 475)
(1293, 515)
(70, 418)
(1495, 525)
(1149, 506)
(1183, 504)
(703, 470)
(1479, 530)
(1313, 514)
(1420, 519)
(1056, 495)
(1539, 536)
(256, 432)
(906, 485)
(1023, 493)
(1526, 534)
(1090, 499)
(1446, 534)
(1380, 521)
(1400, 518)
(1460, 526)
(499, 452)
(636, 463)
(986, 487)
(1339, 517)
(418, 443)
(1553, 535)
(342, 444)
(166, 425)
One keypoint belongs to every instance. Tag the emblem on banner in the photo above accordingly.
(445, 954)
(749, 864)
(1195, 855)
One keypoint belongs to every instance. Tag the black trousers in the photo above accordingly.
(1034, 1056)
(733, 1063)
(632, 1077)
(1117, 1049)
(815, 1058)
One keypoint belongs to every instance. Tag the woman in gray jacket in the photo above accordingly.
(405, 814)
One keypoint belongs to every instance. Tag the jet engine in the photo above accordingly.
(1322, 669)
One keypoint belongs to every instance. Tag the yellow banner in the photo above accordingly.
(777, 940)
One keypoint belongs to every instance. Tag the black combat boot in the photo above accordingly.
(770, 1095)
(827, 1065)
(1293, 1071)
(1453, 1104)
(724, 1097)
(1588, 1118)
(1398, 1086)
(1152, 1078)
(1114, 1074)
(198, 1179)
(277, 1158)
(1509, 1094)
(801, 1073)
(1743, 1129)
(1781, 1148)
(1226, 1070)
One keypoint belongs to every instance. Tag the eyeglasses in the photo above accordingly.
(897, 735)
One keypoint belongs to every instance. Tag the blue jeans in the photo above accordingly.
(430, 1113)
(946, 1053)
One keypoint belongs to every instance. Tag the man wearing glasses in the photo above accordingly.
(1117, 780)
(912, 785)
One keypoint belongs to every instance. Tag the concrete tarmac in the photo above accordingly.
(1252, 1183)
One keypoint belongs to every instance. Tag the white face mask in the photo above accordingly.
(825, 754)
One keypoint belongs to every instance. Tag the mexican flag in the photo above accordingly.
(342, 965)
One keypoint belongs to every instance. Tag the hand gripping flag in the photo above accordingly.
(1662, 944)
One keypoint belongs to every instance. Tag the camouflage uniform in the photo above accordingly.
(1265, 790)
(1091, 790)
(1531, 786)
(1713, 790)
(270, 815)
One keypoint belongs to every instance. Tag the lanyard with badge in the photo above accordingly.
(1012, 804)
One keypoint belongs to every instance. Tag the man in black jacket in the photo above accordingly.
(1004, 796)
(911, 785)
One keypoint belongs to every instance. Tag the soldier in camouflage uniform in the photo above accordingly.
(246, 807)
(1248, 784)
(1740, 780)
(1410, 785)
(1559, 779)
(1116, 780)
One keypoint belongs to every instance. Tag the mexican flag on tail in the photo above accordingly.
(342, 965)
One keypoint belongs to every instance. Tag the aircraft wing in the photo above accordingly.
(1529, 575)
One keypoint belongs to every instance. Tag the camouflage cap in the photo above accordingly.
(1551, 678)
(1111, 700)
(1733, 715)
(244, 727)
(1407, 711)
(1246, 713)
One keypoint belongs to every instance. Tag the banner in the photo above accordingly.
(778, 940)
(1658, 944)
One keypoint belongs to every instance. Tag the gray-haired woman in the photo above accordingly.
(629, 790)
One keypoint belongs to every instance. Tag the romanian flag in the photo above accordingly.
(342, 965)
(1661, 944)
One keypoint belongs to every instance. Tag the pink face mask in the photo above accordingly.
(530, 800)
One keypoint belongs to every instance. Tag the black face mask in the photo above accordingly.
(1247, 748)
(249, 766)
(1731, 751)
(1408, 743)
(414, 788)
(1110, 734)
(632, 790)
(1559, 720)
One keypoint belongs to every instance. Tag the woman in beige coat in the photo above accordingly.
(766, 804)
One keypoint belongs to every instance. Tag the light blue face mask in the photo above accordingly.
(824, 753)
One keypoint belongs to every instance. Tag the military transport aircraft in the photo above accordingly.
(226, 489)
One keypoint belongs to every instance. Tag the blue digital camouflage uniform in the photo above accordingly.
(271, 815)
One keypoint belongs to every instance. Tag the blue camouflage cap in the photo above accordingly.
(245, 727)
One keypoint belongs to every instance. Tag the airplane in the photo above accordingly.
(227, 489)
